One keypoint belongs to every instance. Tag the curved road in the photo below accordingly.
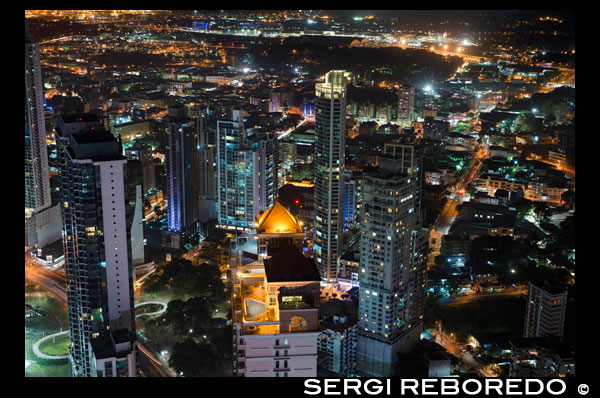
(52, 282)
(39, 354)
(161, 311)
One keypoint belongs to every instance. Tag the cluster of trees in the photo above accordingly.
(182, 278)
(327, 53)
(540, 209)
(557, 107)
(526, 257)
(527, 122)
(200, 345)
(302, 171)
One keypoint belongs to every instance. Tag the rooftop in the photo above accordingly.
(277, 220)
(288, 264)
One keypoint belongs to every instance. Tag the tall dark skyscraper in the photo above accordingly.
(98, 201)
(37, 177)
(42, 220)
(330, 141)
(182, 166)
(393, 263)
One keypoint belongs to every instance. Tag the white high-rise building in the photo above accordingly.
(330, 141)
(393, 266)
(99, 197)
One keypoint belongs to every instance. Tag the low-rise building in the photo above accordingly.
(537, 357)
(337, 342)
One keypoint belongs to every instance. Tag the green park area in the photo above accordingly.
(50, 315)
(193, 330)
(57, 346)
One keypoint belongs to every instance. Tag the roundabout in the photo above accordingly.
(40, 354)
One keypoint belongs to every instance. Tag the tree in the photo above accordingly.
(193, 359)
(524, 207)
(303, 171)
(542, 212)
(198, 315)
(175, 314)
(526, 122)
(160, 334)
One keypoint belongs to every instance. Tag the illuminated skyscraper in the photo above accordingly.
(406, 105)
(99, 197)
(182, 166)
(330, 140)
(247, 173)
(37, 176)
(42, 221)
(393, 265)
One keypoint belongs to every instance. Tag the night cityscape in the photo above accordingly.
(300, 193)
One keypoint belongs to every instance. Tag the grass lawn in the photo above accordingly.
(43, 323)
(46, 302)
(59, 347)
(38, 370)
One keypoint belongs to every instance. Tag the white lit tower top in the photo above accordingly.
(329, 167)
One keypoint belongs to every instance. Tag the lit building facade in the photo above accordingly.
(182, 164)
(393, 266)
(98, 201)
(37, 174)
(276, 229)
(42, 220)
(406, 105)
(330, 134)
(208, 171)
(337, 344)
(247, 169)
(546, 308)
(538, 357)
(275, 306)
(349, 202)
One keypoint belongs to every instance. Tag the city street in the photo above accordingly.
(54, 283)
(449, 213)
(448, 342)
(481, 296)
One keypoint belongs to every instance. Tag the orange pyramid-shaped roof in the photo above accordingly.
(277, 220)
